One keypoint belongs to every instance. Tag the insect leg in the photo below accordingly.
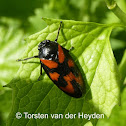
(27, 58)
(40, 70)
(58, 31)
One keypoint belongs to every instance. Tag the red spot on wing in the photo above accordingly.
(50, 64)
(61, 55)
(54, 76)
(69, 88)
(71, 77)
(70, 63)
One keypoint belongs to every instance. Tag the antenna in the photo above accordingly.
(58, 31)
(27, 58)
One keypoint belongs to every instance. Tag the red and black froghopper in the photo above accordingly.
(60, 67)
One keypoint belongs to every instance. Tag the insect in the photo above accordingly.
(60, 67)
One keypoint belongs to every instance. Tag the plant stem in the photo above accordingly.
(112, 5)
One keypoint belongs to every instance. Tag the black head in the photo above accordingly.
(43, 43)
(48, 50)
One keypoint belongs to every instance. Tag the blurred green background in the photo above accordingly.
(19, 19)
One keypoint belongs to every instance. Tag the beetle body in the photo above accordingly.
(60, 67)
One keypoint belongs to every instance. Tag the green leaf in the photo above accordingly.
(5, 105)
(118, 116)
(88, 124)
(117, 44)
(122, 68)
(93, 55)
(11, 47)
